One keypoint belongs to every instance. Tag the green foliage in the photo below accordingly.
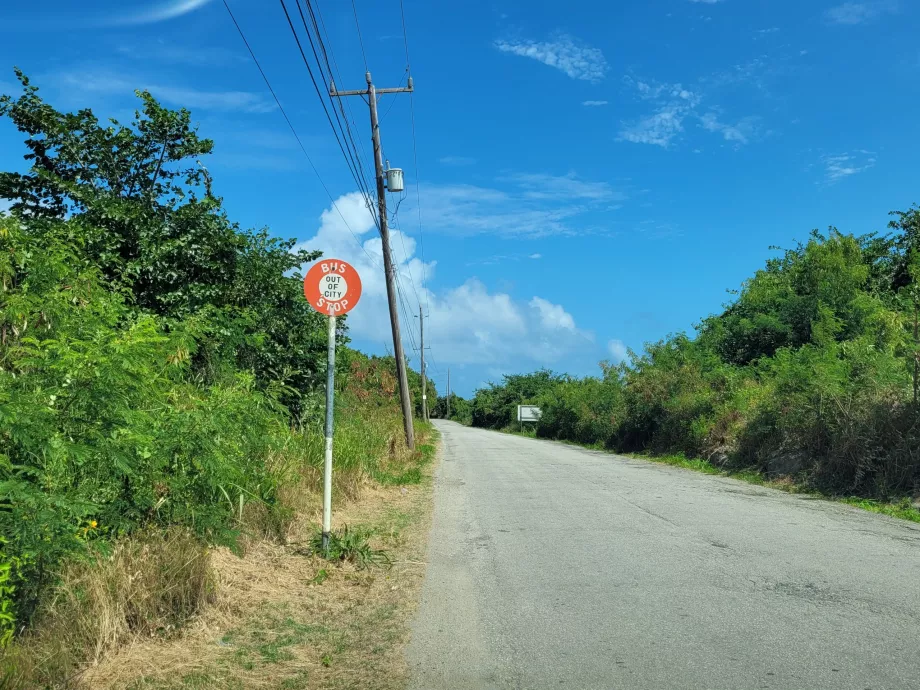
(585, 410)
(8, 564)
(808, 372)
(495, 407)
(154, 358)
(460, 409)
(350, 544)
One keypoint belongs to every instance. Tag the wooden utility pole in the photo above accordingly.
(421, 329)
(388, 267)
(916, 355)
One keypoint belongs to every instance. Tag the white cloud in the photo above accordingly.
(457, 160)
(527, 205)
(567, 54)
(543, 186)
(468, 324)
(659, 128)
(107, 82)
(844, 165)
(707, 2)
(618, 351)
(594, 104)
(552, 316)
(739, 133)
(535, 256)
(157, 13)
(674, 105)
(851, 13)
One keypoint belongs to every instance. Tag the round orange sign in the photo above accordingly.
(332, 287)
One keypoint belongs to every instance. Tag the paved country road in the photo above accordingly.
(555, 567)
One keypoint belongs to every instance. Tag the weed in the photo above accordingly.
(351, 544)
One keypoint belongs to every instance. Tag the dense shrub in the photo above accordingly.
(495, 407)
(810, 371)
(156, 361)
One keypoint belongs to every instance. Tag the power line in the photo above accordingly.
(394, 99)
(346, 129)
(360, 40)
(338, 74)
(405, 253)
(349, 154)
(418, 193)
(294, 132)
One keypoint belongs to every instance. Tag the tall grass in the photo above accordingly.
(149, 584)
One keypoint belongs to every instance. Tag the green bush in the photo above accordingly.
(808, 372)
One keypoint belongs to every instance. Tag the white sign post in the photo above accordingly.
(332, 287)
(528, 413)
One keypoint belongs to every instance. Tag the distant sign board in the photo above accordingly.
(528, 413)
(332, 287)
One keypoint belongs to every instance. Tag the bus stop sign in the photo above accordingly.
(332, 287)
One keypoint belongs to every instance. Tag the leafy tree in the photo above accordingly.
(495, 407)
(141, 207)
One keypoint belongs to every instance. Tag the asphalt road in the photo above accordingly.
(555, 567)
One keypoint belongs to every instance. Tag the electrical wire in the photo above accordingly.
(418, 193)
(294, 132)
(349, 154)
(338, 74)
(344, 127)
(360, 40)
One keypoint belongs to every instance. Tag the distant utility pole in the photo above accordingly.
(389, 269)
(421, 328)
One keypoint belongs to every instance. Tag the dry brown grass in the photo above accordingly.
(150, 585)
(282, 618)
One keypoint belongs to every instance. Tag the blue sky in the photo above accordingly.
(592, 175)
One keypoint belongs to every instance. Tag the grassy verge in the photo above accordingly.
(902, 509)
(284, 617)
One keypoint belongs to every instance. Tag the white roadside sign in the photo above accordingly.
(528, 413)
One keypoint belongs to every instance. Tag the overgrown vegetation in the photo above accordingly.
(810, 373)
(160, 374)
(456, 408)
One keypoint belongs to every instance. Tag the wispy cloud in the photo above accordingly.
(178, 54)
(707, 2)
(457, 160)
(844, 165)
(618, 350)
(518, 205)
(535, 256)
(158, 12)
(594, 104)
(674, 105)
(570, 186)
(106, 82)
(573, 57)
(658, 129)
(850, 13)
(739, 133)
